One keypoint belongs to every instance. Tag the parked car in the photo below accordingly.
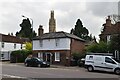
(81, 62)
(102, 62)
(36, 62)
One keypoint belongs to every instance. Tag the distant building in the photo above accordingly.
(52, 23)
(109, 30)
(9, 43)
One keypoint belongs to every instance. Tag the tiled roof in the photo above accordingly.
(61, 34)
(11, 39)
(113, 29)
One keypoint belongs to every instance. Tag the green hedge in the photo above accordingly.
(77, 56)
(19, 55)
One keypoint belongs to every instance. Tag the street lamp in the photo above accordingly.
(30, 19)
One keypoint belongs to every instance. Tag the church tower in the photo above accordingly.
(52, 23)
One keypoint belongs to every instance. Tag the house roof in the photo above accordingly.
(11, 39)
(110, 30)
(61, 34)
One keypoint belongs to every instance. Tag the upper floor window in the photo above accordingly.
(14, 46)
(21, 46)
(57, 41)
(3, 44)
(108, 38)
(41, 43)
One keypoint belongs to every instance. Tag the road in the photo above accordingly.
(20, 71)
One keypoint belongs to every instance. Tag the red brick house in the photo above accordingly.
(109, 30)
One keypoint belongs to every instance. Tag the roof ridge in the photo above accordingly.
(64, 33)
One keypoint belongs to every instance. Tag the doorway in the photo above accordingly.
(49, 57)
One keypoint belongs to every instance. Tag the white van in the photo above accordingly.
(103, 62)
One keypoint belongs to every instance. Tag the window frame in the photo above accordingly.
(57, 56)
(40, 55)
(108, 38)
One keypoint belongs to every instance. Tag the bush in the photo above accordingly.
(76, 57)
(101, 47)
(19, 55)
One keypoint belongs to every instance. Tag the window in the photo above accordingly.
(57, 42)
(57, 56)
(91, 57)
(2, 55)
(3, 45)
(108, 60)
(40, 55)
(108, 38)
(41, 43)
(21, 46)
(14, 46)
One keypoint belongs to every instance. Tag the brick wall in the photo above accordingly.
(109, 29)
(77, 46)
(64, 56)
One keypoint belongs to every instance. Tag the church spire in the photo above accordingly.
(52, 22)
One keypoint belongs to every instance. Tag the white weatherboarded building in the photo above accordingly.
(57, 47)
(8, 44)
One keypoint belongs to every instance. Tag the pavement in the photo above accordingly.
(51, 66)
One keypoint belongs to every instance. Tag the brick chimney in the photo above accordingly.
(40, 30)
(108, 22)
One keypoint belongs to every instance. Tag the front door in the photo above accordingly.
(48, 57)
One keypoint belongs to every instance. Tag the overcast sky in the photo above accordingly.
(92, 14)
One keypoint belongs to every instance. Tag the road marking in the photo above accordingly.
(12, 76)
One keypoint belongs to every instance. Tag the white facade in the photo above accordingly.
(6, 48)
(52, 44)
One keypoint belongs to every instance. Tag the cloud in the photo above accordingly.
(92, 14)
(102, 8)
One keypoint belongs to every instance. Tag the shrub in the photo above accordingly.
(19, 55)
(101, 47)
(77, 56)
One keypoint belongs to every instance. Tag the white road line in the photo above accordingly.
(12, 76)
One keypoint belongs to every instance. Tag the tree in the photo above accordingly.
(100, 47)
(115, 43)
(80, 31)
(28, 46)
(26, 30)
